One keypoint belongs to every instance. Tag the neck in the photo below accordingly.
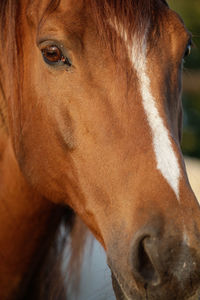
(25, 222)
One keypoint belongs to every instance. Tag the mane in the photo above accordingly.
(47, 281)
(64, 247)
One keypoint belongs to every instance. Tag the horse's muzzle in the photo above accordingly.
(161, 267)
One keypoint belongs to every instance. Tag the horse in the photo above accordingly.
(90, 122)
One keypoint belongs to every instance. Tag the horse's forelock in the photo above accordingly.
(134, 16)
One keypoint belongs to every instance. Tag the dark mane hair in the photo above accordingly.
(46, 280)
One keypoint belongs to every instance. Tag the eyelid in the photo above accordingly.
(42, 42)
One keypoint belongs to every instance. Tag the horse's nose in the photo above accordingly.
(145, 258)
(157, 257)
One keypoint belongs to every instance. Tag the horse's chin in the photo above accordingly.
(123, 293)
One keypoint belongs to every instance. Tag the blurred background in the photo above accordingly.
(189, 10)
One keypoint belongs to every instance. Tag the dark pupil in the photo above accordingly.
(52, 54)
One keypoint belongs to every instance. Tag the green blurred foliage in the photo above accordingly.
(189, 10)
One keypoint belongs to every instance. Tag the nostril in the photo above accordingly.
(144, 261)
(146, 265)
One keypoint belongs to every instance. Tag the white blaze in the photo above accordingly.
(167, 162)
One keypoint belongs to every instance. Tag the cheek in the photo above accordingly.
(45, 140)
(45, 162)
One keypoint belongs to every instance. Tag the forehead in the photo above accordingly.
(76, 16)
(128, 12)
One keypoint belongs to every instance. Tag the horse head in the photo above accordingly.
(96, 125)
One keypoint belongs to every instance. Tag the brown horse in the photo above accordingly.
(91, 125)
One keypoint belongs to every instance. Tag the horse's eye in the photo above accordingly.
(188, 49)
(53, 56)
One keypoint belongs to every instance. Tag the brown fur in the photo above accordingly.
(99, 178)
(44, 278)
(133, 15)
